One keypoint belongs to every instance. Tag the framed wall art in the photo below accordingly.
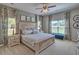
(28, 19)
(76, 18)
(76, 25)
(33, 19)
(23, 18)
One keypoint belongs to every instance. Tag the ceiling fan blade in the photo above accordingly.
(38, 8)
(51, 6)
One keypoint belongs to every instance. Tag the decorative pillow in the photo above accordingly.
(35, 31)
(27, 32)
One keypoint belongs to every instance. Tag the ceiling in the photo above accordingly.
(31, 7)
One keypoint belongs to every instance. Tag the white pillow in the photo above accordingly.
(35, 31)
(27, 32)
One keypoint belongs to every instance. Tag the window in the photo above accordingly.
(39, 25)
(11, 26)
(58, 26)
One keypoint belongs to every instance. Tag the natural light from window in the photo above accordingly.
(11, 26)
(58, 26)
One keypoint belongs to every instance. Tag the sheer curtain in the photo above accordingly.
(57, 23)
(61, 16)
(1, 28)
(40, 23)
(49, 24)
(3, 25)
(67, 26)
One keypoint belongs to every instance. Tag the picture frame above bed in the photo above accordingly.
(33, 19)
(23, 18)
(76, 18)
(28, 19)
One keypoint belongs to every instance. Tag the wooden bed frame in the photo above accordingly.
(39, 46)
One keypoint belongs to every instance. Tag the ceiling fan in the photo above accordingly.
(45, 7)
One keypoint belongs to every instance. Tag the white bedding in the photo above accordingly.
(34, 38)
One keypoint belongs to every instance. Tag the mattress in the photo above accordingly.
(35, 38)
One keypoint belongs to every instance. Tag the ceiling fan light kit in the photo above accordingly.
(45, 8)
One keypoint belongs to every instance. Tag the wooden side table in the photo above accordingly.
(14, 40)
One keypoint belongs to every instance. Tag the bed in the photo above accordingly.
(36, 41)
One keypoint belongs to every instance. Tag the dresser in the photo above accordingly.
(13, 40)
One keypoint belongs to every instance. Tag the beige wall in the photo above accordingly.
(18, 17)
(45, 23)
(73, 31)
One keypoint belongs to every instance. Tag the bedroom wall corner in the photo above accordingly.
(73, 30)
(45, 23)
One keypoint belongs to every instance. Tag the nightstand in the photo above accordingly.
(14, 40)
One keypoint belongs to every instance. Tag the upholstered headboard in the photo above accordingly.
(23, 25)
